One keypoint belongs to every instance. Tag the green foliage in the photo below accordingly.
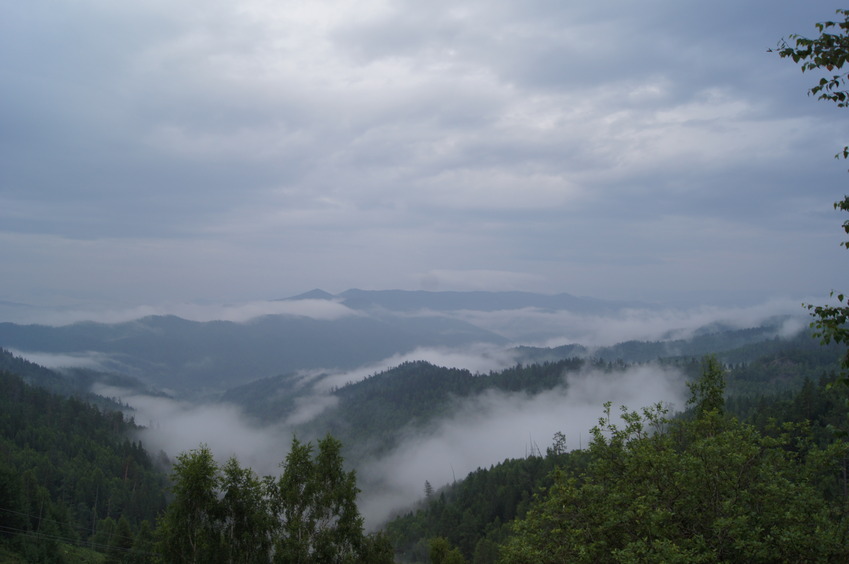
(189, 529)
(708, 392)
(315, 499)
(441, 552)
(227, 514)
(708, 489)
(473, 513)
(829, 51)
(245, 512)
(830, 325)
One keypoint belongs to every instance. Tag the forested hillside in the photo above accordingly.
(640, 486)
(75, 485)
(415, 394)
(71, 477)
(168, 351)
(724, 342)
(371, 416)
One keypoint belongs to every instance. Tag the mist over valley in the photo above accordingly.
(419, 386)
(407, 283)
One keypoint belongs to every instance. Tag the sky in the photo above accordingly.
(185, 151)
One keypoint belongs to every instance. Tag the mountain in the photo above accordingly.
(176, 353)
(389, 402)
(316, 294)
(366, 327)
(714, 340)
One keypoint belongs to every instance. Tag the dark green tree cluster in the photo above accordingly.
(414, 394)
(441, 552)
(306, 515)
(703, 489)
(70, 476)
(474, 514)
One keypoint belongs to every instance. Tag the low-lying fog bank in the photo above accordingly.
(478, 432)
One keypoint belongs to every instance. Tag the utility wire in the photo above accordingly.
(68, 540)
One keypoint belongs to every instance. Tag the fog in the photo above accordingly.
(554, 328)
(87, 359)
(174, 426)
(478, 358)
(495, 426)
(479, 431)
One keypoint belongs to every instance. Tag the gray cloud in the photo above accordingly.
(155, 153)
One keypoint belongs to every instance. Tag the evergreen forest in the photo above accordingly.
(753, 470)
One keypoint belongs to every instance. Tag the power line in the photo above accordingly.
(68, 540)
(71, 541)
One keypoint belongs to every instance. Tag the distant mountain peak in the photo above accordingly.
(317, 294)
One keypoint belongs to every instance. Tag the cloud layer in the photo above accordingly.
(167, 152)
(480, 431)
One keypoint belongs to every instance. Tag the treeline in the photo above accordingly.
(414, 394)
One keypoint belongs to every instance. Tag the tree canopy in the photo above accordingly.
(306, 515)
(705, 489)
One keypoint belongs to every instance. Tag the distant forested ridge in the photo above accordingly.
(415, 394)
(168, 351)
(375, 410)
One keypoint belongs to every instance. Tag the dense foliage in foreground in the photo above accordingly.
(703, 489)
(227, 514)
(707, 487)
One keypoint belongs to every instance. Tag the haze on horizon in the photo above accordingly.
(218, 152)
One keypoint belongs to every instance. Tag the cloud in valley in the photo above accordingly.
(476, 358)
(93, 360)
(558, 327)
(480, 431)
(174, 426)
(488, 429)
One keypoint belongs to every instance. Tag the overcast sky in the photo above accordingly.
(164, 152)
